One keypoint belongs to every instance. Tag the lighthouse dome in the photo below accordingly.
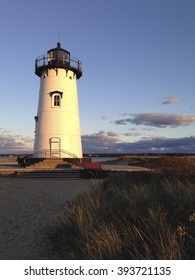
(58, 58)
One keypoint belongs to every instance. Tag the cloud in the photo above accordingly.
(3, 131)
(170, 100)
(27, 139)
(102, 143)
(157, 120)
(125, 114)
(164, 145)
(112, 134)
(131, 134)
(150, 129)
(10, 143)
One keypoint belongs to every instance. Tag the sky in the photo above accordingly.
(137, 92)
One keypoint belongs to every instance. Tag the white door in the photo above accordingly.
(55, 147)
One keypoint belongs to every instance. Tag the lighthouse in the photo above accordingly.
(57, 123)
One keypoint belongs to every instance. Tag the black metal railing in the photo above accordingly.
(46, 62)
(58, 153)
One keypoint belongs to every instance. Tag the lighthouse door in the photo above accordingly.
(55, 147)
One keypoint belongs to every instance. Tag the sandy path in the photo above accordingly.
(28, 208)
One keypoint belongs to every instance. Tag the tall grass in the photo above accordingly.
(135, 216)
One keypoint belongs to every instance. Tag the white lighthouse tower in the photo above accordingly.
(57, 123)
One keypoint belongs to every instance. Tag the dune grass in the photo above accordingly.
(136, 216)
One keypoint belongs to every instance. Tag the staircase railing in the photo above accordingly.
(47, 153)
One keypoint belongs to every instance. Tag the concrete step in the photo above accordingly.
(49, 163)
(61, 174)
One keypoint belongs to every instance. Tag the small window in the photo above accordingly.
(56, 100)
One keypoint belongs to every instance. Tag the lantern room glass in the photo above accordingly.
(59, 56)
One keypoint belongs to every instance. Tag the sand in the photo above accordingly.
(28, 210)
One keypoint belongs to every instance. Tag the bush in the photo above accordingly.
(136, 216)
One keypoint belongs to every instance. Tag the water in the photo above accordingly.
(96, 159)
(4, 158)
(7, 158)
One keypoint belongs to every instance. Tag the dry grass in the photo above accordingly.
(163, 163)
(137, 216)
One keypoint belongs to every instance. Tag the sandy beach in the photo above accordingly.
(28, 209)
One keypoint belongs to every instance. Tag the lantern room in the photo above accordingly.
(58, 58)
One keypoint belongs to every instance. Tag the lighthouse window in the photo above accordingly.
(56, 100)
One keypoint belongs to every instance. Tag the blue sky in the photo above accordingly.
(137, 92)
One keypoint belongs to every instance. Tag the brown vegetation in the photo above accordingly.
(140, 215)
(163, 163)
